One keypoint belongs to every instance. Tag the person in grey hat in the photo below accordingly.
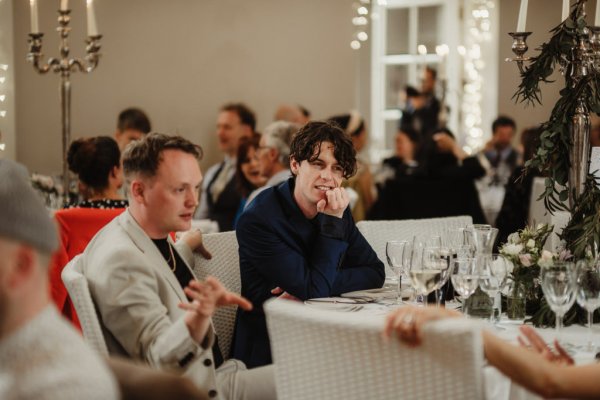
(41, 356)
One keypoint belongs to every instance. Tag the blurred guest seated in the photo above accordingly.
(298, 239)
(514, 213)
(403, 163)
(362, 182)
(220, 199)
(41, 356)
(274, 155)
(442, 185)
(150, 305)
(247, 170)
(97, 163)
(533, 365)
(132, 124)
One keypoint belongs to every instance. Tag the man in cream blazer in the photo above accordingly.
(150, 305)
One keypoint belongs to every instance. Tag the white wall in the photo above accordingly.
(180, 60)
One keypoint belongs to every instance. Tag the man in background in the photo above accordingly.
(132, 124)
(274, 155)
(220, 197)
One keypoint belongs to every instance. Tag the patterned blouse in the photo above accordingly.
(102, 203)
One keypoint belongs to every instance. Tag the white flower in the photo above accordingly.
(525, 260)
(540, 226)
(546, 259)
(531, 243)
(512, 249)
(514, 238)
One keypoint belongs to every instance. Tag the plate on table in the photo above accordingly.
(371, 295)
(334, 303)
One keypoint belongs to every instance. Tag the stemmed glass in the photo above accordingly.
(588, 292)
(492, 278)
(426, 269)
(464, 278)
(395, 252)
(559, 286)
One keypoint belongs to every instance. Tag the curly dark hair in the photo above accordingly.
(307, 142)
(143, 156)
(93, 159)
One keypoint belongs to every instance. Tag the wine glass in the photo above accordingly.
(588, 292)
(464, 278)
(492, 279)
(395, 253)
(425, 270)
(559, 286)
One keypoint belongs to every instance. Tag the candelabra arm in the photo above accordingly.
(519, 47)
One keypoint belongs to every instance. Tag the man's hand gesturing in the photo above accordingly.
(336, 202)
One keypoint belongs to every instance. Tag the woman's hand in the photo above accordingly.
(407, 322)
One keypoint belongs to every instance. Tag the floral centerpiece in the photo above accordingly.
(526, 254)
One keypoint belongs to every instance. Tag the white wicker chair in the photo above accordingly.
(225, 266)
(378, 233)
(321, 354)
(79, 292)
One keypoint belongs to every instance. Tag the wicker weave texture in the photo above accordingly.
(225, 266)
(321, 354)
(378, 233)
(79, 292)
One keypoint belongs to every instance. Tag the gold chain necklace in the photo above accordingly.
(171, 259)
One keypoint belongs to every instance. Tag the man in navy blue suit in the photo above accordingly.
(299, 239)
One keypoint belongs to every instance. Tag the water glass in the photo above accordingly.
(395, 254)
(465, 278)
(559, 283)
(425, 269)
(492, 278)
(588, 292)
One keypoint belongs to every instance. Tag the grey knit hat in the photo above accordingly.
(23, 216)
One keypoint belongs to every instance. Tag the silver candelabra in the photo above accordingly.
(584, 57)
(64, 65)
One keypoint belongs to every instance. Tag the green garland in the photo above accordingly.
(582, 233)
(552, 156)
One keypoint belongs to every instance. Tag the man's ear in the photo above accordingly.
(294, 166)
(137, 188)
(23, 268)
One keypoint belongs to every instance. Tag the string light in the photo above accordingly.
(360, 22)
(478, 32)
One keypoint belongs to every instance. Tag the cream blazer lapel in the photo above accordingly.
(151, 252)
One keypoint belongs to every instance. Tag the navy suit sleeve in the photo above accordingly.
(324, 271)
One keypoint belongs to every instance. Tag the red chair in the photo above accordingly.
(77, 227)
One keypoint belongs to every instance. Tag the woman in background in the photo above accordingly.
(97, 163)
(247, 172)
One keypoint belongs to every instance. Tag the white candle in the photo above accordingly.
(522, 16)
(64, 5)
(565, 10)
(35, 28)
(597, 19)
(91, 19)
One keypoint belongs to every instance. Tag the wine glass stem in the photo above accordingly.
(591, 337)
(399, 299)
(438, 297)
(425, 300)
(558, 325)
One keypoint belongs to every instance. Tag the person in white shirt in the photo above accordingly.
(41, 355)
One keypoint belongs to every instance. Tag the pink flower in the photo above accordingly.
(525, 260)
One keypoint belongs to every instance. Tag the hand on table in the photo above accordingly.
(407, 322)
(532, 340)
(283, 295)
